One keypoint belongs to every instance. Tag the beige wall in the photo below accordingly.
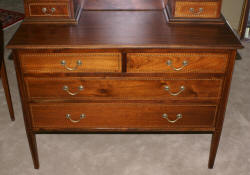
(231, 9)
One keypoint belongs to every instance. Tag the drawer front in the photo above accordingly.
(189, 9)
(176, 63)
(49, 9)
(132, 88)
(120, 116)
(70, 62)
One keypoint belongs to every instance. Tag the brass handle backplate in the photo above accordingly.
(78, 63)
(178, 117)
(167, 88)
(45, 11)
(184, 64)
(196, 12)
(68, 116)
(66, 88)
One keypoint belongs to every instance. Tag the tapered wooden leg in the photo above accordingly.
(213, 148)
(7, 90)
(33, 149)
(30, 135)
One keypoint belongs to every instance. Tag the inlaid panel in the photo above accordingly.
(204, 9)
(176, 63)
(49, 9)
(70, 62)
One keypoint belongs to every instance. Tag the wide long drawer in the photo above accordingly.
(122, 88)
(70, 62)
(120, 115)
(176, 62)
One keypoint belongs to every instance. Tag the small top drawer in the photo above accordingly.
(70, 62)
(49, 9)
(197, 9)
(176, 62)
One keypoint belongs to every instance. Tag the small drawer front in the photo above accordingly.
(70, 62)
(130, 89)
(49, 9)
(189, 9)
(120, 116)
(176, 63)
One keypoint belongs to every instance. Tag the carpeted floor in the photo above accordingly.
(129, 154)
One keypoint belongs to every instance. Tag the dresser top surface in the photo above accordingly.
(125, 29)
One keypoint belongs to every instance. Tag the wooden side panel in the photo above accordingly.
(222, 111)
(122, 88)
(122, 116)
(52, 62)
(158, 63)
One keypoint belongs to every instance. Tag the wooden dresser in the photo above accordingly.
(124, 71)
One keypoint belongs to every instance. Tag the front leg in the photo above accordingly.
(33, 148)
(213, 148)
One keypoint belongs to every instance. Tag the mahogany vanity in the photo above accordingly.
(131, 66)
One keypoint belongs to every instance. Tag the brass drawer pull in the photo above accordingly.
(169, 63)
(78, 63)
(44, 10)
(66, 88)
(192, 10)
(75, 121)
(178, 117)
(167, 88)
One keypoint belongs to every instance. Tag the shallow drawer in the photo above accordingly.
(70, 62)
(198, 9)
(49, 9)
(127, 115)
(176, 63)
(132, 88)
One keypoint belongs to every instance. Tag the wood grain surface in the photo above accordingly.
(115, 115)
(122, 88)
(124, 4)
(51, 62)
(158, 62)
(211, 9)
(112, 29)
